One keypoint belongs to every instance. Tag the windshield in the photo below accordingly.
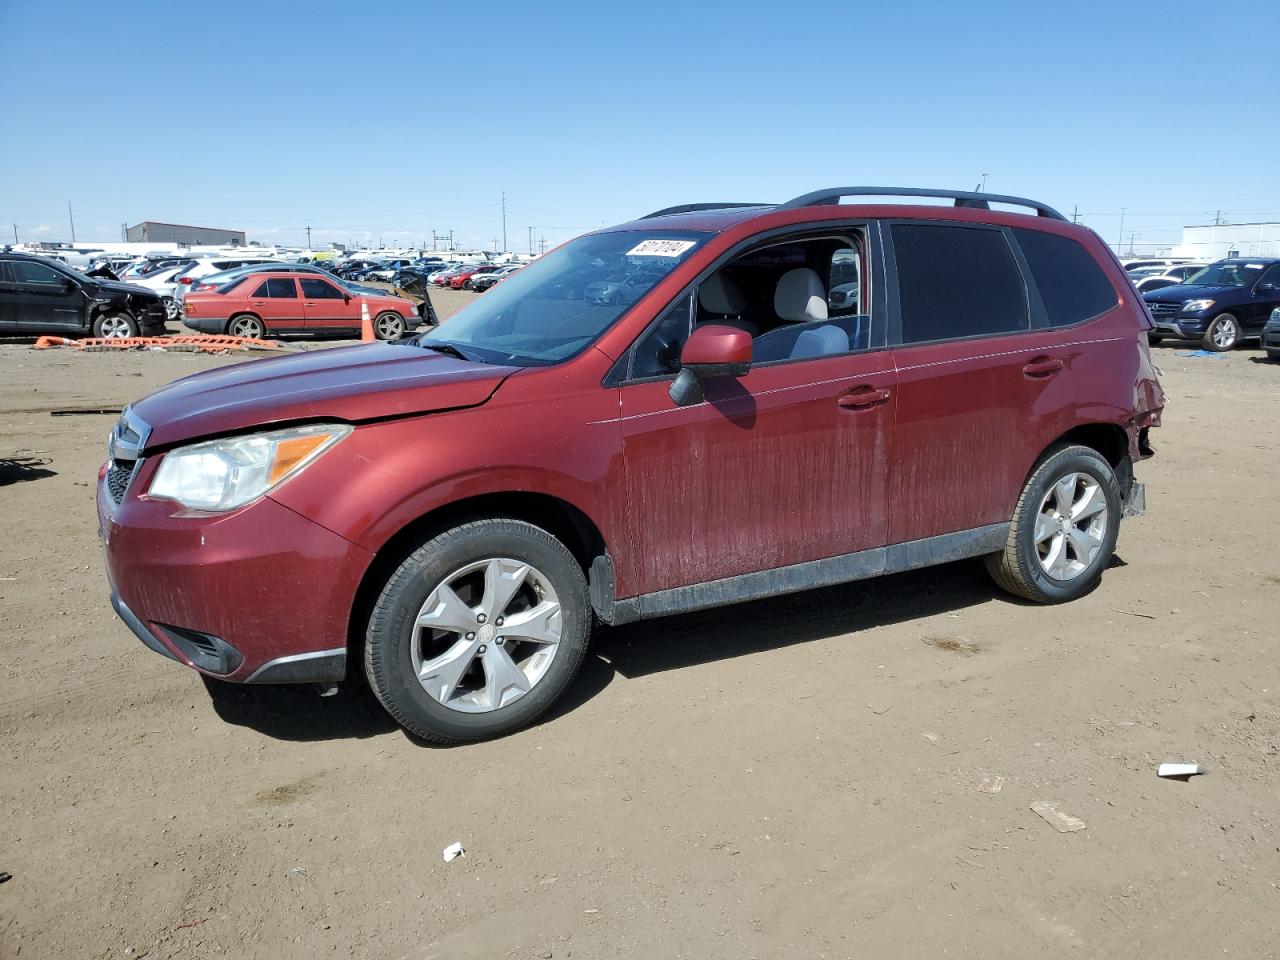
(555, 306)
(1226, 274)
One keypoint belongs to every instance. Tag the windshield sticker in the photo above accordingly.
(661, 248)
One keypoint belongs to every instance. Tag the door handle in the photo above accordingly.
(859, 398)
(1042, 367)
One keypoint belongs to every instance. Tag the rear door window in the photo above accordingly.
(1072, 286)
(282, 288)
(319, 290)
(956, 282)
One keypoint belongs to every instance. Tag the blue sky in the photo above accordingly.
(394, 119)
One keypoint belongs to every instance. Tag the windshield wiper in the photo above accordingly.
(448, 349)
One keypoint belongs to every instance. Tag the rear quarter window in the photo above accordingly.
(1072, 286)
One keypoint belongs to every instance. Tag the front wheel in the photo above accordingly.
(115, 326)
(478, 631)
(246, 325)
(170, 308)
(1064, 528)
(1223, 333)
(1273, 354)
(388, 326)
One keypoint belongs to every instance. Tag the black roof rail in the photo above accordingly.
(963, 198)
(692, 207)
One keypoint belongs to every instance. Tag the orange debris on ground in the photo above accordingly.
(204, 344)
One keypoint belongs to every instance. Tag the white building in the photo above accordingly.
(1214, 241)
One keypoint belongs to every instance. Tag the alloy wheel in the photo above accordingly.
(247, 327)
(486, 635)
(170, 308)
(1071, 526)
(390, 327)
(1224, 333)
(114, 328)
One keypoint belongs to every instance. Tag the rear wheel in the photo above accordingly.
(115, 326)
(388, 326)
(1223, 333)
(478, 632)
(170, 308)
(1064, 528)
(246, 325)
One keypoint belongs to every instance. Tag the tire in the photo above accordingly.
(1222, 334)
(462, 708)
(388, 326)
(1154, 338)
(114, 325)
(246, 325)
(170, 308)
(1020, 568)
(1273, 354)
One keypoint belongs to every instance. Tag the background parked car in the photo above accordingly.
(39, 295)
(1166, 276)
(1271, 335)
(1219, 305)
(484, 281)
(259, 304)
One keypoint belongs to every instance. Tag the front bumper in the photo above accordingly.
(1270, 337)
(259, 595)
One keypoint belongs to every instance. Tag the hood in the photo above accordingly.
(1182, 291)
(350, 384)
(117, 286)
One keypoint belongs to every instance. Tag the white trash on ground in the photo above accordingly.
(1180, 770)
(453, 851)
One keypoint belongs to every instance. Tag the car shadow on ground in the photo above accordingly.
(20, 469)
(644, 648)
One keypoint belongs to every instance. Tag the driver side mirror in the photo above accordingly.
(712, 350)
(1265, 288)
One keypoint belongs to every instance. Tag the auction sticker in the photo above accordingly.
(661, 248)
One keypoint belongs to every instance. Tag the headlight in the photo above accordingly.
(1195, 306)
(221, 475)
(1275, 315)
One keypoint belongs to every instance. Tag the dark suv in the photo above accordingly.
(1221, 305)
(449, 514)
(39, 295)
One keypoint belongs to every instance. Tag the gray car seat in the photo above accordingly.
(801, 300)
(720, 296)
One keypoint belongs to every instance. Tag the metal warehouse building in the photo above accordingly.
(1215, 241)
(153, 232)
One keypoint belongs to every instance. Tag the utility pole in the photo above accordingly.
(983, 185)
(15, 233)
(71, 217)
(542, 244)
(1217, 219)
(504, 221)
(531, 241)
(1075, 213)
(124, 233)
(451, 239)
(1121, 244)
(308, 238)
(1131, 236)
(495, 244)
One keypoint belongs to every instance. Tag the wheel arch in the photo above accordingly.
(562, 519)
(1109, 439)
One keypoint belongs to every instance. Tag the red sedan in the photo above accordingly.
(260, 304)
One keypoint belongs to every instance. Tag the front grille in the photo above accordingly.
(1164, 311)
(124, 448)
(119, 473)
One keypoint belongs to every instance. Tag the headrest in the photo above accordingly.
(719, 294)
(800, 296)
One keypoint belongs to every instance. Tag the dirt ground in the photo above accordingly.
(840, 773)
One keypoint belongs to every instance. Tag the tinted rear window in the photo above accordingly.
(1072, 285)
(957, 282)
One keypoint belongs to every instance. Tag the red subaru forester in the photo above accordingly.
(786, 396)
